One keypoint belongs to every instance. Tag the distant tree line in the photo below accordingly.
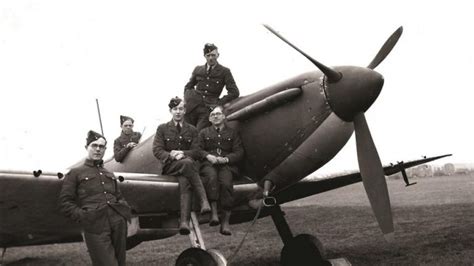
(426, 170)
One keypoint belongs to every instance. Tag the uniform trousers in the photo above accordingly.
(109, 246)
(186, 170)
(219, 185)
(198, 117)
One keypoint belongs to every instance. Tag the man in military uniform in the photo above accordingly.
(176, 147)
(128, 139)
(91, 196)
(222, 149)
(205, 86)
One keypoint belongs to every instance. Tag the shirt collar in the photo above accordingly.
(208, 67)
(92, 163)
(221, 128)
(125, 135)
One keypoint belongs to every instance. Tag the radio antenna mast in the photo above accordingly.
(100, 119)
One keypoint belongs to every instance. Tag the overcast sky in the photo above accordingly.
(57, 57)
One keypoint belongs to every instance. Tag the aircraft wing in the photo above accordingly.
(311, 186)
(30, 216)
(29, 212)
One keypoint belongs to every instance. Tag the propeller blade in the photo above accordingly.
(332, 75)
(373, 176)
(386, 48)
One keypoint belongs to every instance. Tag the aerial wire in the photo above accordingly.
(100, 119)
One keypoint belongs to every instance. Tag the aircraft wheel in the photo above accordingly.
(303, 249)
(195, 257)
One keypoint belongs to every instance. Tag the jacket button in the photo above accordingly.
(87, 178)
(105, 192)
(108, 201)
(103, 183)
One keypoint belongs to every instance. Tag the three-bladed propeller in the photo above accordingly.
(351, 92)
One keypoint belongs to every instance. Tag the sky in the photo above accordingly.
(58, 57)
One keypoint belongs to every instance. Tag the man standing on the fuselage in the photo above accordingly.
(205, 86)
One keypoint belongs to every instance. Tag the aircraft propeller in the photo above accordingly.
(386, 48)
(332, 75)
(350, 103)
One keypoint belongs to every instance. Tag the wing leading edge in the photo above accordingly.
(309, 187)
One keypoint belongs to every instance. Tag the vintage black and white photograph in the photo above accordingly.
(236, 133)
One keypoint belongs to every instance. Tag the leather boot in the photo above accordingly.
(214, 217)
(225, 227)
(185, 213)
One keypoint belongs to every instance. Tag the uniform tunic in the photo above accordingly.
(167, 138)
(91, 196)
(203, 90)
(120, 145)
(225, 143)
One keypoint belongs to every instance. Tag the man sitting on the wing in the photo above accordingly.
(128, 139)
(222, 149)
(176, 146)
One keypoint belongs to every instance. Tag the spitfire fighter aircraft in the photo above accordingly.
(312, 116)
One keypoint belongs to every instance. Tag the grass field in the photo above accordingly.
(434, 225)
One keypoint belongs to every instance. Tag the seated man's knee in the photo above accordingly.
(208, 172)
(187, 163)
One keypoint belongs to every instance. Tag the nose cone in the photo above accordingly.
(355, 92)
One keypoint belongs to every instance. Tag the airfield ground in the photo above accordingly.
(434, 225)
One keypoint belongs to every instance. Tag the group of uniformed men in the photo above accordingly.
(195, 146)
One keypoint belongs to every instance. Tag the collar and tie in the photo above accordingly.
(209, 68)
(178, 127)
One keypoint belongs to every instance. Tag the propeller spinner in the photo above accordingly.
(350, 92)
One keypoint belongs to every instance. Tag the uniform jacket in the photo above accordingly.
(226, 143)
(205, 88)
(120, 145)
(87, 192)
(167, 139)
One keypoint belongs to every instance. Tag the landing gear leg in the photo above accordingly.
(281, 224)
(197, 255)
(300, 250)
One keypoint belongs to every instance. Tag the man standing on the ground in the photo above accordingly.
(205, 87)
(90, 195)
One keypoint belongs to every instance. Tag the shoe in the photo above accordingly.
(205, 208)
(225, 227)
(184, 229)
(226, 231)
(214, 222)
